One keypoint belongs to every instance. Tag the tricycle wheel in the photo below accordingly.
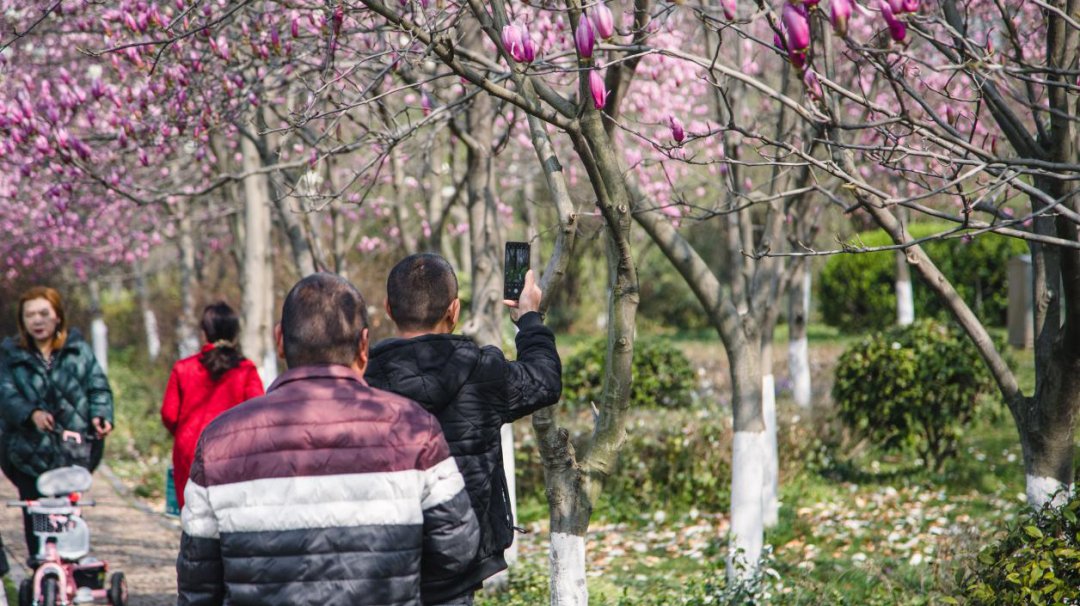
(118, 593)
(26, 592)
(50, 591)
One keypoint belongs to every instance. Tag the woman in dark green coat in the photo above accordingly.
(56, 402)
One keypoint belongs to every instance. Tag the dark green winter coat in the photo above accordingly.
(74, 390)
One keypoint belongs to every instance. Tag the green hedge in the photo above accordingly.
(672, 461)
(857, 290)
(911, 387)
(662, 375)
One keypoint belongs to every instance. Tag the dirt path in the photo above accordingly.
(124, 533)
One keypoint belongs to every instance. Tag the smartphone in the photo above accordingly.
(514, 269)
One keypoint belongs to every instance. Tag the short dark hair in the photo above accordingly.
(322, 321)
(419, 290)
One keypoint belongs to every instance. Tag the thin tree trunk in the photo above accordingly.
(905, 295)
(258, 278)
(187, 338)
(770, 487)
(798, 344)
(150, 323)
(99, 332)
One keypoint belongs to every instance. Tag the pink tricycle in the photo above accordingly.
(66, 573)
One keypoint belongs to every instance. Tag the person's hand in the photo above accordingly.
(529, 300)
(101, 426)
(42, 420)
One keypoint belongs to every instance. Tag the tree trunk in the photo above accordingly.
(905, 295)
(770, 487)
(187, 336)
(741, 341)
(258, 277)
(150, 323)
(747, 463)
(798, 344)
(99, 332)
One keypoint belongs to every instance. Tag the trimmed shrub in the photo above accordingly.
(662, 378)
(672, 461)
(857, 290)
(911, 387)
(1037, 561)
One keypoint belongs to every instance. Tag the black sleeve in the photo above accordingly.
(535, 379)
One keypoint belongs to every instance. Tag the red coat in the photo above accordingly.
(192, 400)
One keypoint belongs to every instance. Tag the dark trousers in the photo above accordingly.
(27, 486)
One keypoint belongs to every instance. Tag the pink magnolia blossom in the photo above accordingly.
(597, 88)
(910, 6)
(584, 38)
(839, 13)
(797, 27)
(602, 21)
(512, 40)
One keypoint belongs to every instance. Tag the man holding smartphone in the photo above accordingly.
(472, 390)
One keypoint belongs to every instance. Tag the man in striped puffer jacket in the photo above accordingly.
(325, 490)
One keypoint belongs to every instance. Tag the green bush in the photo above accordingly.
(672, 461)
(911, 387)
(662, 377)
(857, 290)
(1037, 561)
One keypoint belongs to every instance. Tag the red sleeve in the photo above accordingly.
(170, 406)
(253, 386)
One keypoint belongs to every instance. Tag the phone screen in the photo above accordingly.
(514, 269)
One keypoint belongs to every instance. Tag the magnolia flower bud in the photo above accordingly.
(839, 13)
(910, 6)
(797, 27)
(597, 88)
(584, 38)
(602, 21)
(729, 9)
(677, 131)
(813, 85)
(897, 28)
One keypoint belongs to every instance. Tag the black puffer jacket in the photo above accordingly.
(474, 391)
(74, 390)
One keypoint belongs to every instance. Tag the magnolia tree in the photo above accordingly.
(971, 111)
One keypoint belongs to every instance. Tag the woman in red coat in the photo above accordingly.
(205, 385)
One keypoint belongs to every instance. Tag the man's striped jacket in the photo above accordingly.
(324, 491)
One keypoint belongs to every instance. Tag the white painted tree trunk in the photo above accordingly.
(1042, 492)
(150, 323)
(99, 332)
(258, 278)
(153, 335)
(747, 523)
(798, 344)
(770, 486)
(905, 296)
(568, 587)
